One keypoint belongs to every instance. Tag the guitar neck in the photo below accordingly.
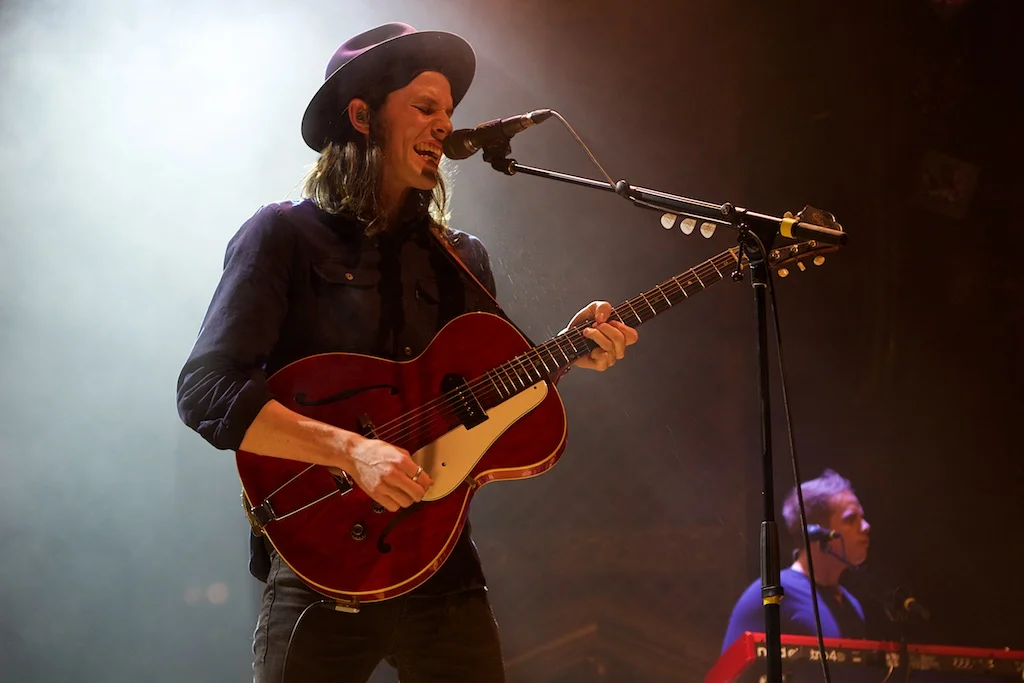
(544, 360)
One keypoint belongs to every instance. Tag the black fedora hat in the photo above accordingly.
(375, 56)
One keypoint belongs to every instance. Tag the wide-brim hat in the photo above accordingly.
(382, 53)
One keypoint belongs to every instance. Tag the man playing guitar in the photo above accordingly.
(364, 265)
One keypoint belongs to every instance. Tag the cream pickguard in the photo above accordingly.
(450, 459)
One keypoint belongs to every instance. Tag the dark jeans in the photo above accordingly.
(449, 638)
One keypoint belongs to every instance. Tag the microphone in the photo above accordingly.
(465, 142)
(907, 604)
(914, 607)
(816, 532)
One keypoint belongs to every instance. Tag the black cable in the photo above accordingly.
(295, 628)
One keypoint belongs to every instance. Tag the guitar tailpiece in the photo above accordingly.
(260, 516)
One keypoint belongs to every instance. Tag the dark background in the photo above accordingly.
(136, 137)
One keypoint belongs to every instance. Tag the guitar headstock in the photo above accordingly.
(810, 250)
(779, 258)
(799, 253)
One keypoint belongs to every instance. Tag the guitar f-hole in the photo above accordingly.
(382, 545)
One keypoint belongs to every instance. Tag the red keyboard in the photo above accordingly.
(864, 660)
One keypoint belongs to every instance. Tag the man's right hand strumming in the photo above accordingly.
(386, 473)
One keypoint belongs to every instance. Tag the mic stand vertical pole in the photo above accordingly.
(771, 581)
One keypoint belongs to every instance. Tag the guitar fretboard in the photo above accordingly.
(543, 361)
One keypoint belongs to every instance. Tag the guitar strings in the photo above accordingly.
(420, 420)
(443, 407)
(431, 410)
(414, 420)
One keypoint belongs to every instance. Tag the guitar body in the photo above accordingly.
(344, 545)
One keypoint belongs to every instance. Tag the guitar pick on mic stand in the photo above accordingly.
(756, 235)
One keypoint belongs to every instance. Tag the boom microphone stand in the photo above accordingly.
(756, 235)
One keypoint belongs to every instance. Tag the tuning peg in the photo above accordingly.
(783, 272)
(707, 229)
(801, 266)
(687, 226)
(668, 220)
(818, 260)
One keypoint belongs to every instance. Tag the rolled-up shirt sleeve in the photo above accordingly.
(223, 384)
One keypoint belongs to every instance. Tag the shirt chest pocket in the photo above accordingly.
(347, 306)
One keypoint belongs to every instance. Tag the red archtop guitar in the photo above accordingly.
(476, 406)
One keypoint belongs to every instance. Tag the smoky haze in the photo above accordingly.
(136, 137)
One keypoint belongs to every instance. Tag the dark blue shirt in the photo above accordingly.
(841, 614)
(298, 281)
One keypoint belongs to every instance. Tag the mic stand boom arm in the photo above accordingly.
(721, 214)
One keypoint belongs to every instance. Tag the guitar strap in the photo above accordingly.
(453, 256)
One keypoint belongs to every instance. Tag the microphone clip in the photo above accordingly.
(496, 154)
